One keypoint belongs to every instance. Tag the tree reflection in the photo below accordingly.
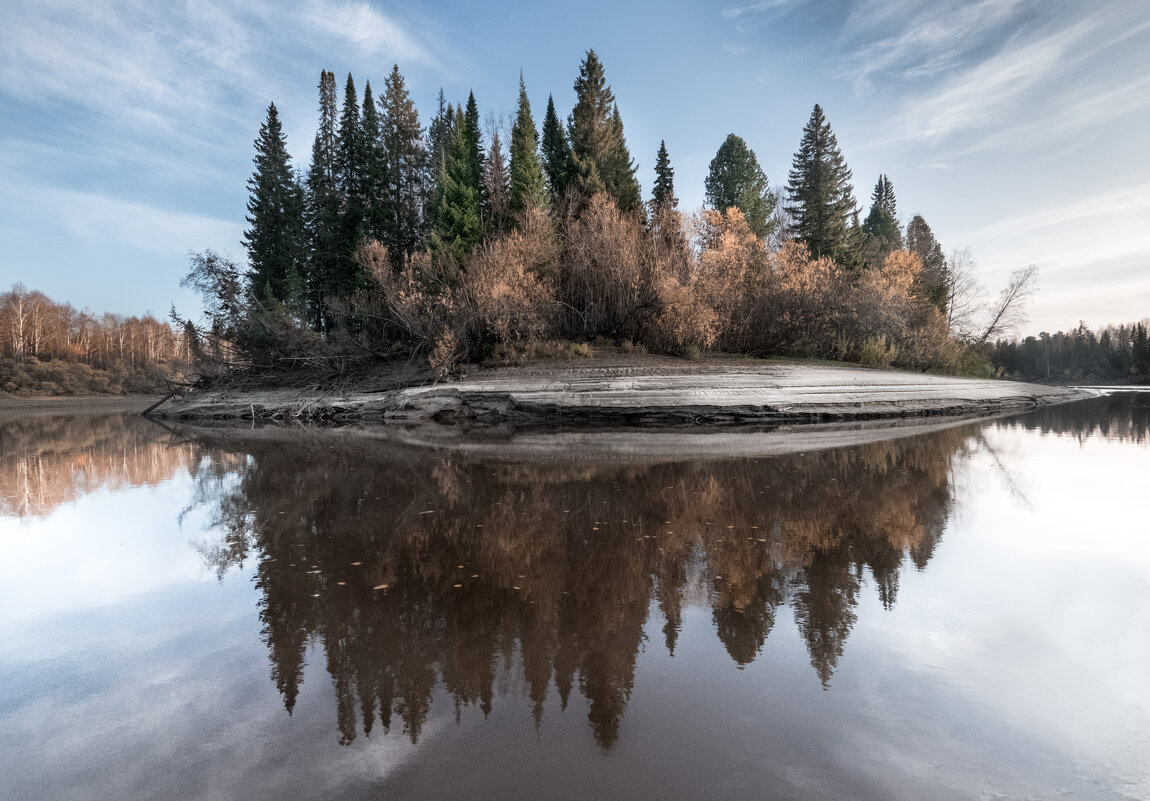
(415, 569)
(50, 460)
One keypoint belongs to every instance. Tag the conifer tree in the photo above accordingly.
(438, 135)
(882, 232)
(373, 166)
(274, 238)
(736, 179)
(405, 164)
(598, 149)
(351, 169)
(557, 162)
(474, 136)
(663, 194)
(324, 208)
(528, 186)
(496, 188)
(921, 242)
(821, 199)
(457, 210)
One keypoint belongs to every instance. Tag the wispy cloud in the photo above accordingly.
(1098, 244)
(365, 28)
(752, 8)
(97, 218)
(986, 92)
(929, 39)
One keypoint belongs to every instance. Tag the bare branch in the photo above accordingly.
(1010, 310)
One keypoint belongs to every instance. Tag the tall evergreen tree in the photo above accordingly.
(598, 149)
(663, 194)
(881, 230)
(496, 188)
(351, 170)
(405, 164)
(736, 179)
(457, 209)
(324, 208)
(438, 136)
(274, 238)
(557, 161)
(819, 191)
(374, 166)
(920, 241)
(528, 186)
(474, 137)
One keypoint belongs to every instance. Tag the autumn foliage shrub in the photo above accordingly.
(669, 287)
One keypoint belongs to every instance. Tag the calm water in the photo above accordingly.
(319, 614)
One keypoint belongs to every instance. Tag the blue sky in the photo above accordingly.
(1017, 128)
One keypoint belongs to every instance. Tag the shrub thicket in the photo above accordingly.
(668, 286)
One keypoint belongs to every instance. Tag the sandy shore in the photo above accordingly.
(640, 392)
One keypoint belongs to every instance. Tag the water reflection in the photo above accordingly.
(413, 569)
(50, 460)
(1121, 416)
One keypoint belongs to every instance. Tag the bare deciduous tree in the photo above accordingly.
(1009, 311)
(964, 294)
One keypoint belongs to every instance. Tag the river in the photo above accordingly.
(961, 613)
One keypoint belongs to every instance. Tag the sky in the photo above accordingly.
(1017, 128)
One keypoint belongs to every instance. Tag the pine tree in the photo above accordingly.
(457, 209)
(496, 188)
(921, 242)
(274, 240)
(736, 179)
(528, 186)
(557, 162)
(663, 194)
(324, 207)
(598, 149)
(821, 199)
(405, 170)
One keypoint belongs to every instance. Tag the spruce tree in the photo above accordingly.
(324, 207)
(496, 188)
(821, 200)
(438, 135)
(457, 209)
(557, 162)
(598, 149)
(663, 194)
(528, 186)
(351, 154)
(736, 179)
(474, 136)
(935, 274)
(274, 238)
(405, 164)
(881, 230)
(373, 166)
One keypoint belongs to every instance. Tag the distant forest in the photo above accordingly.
(50, 348)
(1117, 353)
(463, 239)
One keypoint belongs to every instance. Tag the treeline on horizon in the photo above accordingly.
(51, 348)
(1116, 353)
(452, 244)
